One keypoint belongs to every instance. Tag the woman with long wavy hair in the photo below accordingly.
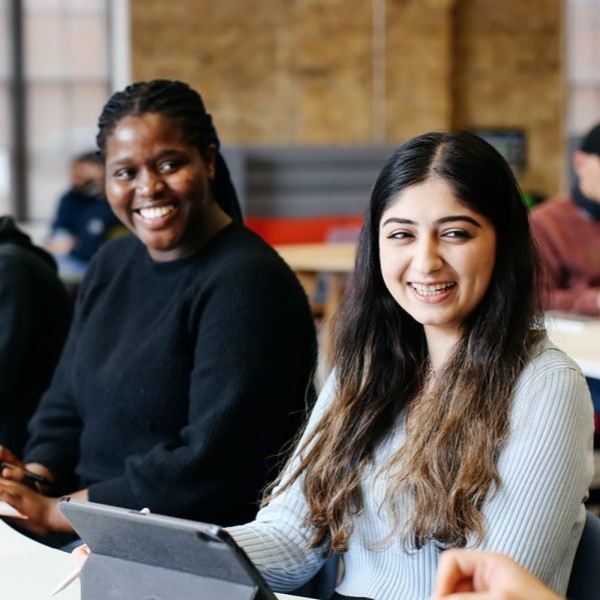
(449, 419)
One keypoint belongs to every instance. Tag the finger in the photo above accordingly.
(14, 488)
(454, 569)
(8, 496)
(80, 554)
(13, 473)
(468, 596)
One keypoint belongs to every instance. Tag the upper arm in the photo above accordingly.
(545, 469)
(15, 317)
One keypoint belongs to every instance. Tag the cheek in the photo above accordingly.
(391, 272)
(117, 198)
(190, 184)
(481, 271)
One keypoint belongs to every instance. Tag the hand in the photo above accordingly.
(473, 575)
(60, 244)
(12, 468)
(43, 516)
(7, 456)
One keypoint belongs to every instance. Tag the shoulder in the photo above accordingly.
(552, 209)
(236, 242)
(13, 262)
(552, 379)
(16, 257)
(122, 252)
(242, 256)
(546, 352)
(116, 248)
(29, 273)
(70, 199)
(548, 358)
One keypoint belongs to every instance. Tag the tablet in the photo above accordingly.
(137, 556)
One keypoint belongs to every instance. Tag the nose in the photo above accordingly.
(149, 184)
(427, 258)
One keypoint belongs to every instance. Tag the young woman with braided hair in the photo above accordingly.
(190, 359)
(449, 419)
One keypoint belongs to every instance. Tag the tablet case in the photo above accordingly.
(137, 556)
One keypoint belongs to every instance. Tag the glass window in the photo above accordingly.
(583, 58)
(5, 131)
(67, 82)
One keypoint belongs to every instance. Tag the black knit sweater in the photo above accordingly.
(180, 381)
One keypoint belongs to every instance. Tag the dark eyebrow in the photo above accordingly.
(443, 220)
(116, 162)
(158, 156)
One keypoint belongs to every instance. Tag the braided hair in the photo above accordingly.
(177, 101)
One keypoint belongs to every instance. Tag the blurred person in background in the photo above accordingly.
(84, 219)
(567, 231)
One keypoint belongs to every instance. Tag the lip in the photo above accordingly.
(156, 215)
(432, 292)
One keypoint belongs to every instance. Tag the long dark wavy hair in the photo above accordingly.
(177, 101)
(456, 427)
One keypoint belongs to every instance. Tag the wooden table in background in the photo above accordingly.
(309, 261)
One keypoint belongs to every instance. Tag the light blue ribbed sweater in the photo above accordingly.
(536, 517)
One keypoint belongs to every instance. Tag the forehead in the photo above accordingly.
(149, 129)
(428, 200)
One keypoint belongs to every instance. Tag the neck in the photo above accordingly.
(591, 207)
(213, 220)
(440, 344)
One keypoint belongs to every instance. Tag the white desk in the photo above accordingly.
(31, 571)
(579, 338)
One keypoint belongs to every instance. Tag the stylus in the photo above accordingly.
(67, 581)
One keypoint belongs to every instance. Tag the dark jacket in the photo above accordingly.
(35, 312)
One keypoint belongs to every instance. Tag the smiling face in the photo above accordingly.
(158, 185)
(437, 255)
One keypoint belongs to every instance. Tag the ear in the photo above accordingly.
(579, 159)
(211, 160)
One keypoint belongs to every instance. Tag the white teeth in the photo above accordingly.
(430, 290)
(155, 212)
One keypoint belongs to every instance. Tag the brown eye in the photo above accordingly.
(123, 174)
(457, 234)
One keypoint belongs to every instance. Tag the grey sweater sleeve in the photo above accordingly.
(538, 514)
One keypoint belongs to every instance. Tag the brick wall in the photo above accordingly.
(326, 72)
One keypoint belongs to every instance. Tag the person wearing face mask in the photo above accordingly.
(567, 231)
(83, 220)
(189, 363)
